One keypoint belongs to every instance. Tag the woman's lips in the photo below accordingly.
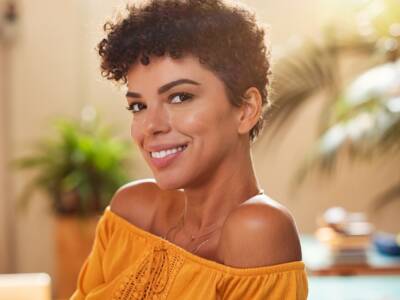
(163, 162)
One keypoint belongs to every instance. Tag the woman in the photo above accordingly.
(197, 78)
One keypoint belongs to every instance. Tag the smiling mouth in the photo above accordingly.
(167, 152)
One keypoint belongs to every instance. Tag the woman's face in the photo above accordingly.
(183, 122)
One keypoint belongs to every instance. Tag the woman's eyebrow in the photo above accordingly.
(165, 87)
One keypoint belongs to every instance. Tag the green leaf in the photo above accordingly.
(79, 160)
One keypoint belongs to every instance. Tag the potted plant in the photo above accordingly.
(79, 169)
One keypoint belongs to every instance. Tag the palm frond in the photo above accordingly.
(304, 71)
(363, 119)
(388, 196)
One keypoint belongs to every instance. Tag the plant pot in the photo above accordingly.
(74, 239)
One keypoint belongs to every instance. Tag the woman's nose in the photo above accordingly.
(156, 120)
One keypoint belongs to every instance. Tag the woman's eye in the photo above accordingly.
(135, 107)
(180, 97)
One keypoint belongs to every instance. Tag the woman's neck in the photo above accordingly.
(213, 201)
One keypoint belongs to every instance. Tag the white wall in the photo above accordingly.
(7, 220)
(53, 72)
(44, 82)
(6, 227)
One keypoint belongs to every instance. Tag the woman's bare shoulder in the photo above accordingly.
(260, 233)
(136, 201)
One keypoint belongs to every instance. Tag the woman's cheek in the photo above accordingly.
(135, 134)
(194, 123)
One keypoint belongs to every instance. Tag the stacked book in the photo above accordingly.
(348, 236)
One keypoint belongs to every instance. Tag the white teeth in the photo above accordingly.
(164, 153)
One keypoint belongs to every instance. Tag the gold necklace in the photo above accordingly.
(193, 237)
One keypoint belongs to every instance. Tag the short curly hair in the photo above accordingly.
(226, 39)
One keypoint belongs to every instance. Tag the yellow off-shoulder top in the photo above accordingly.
(127, 262)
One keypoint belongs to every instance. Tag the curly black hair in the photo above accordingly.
(226, 39)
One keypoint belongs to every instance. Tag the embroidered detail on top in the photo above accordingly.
(152, 278)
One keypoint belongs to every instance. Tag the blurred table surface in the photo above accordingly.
(364, 287)
(317, 259)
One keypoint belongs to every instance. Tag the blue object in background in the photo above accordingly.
(387, 243)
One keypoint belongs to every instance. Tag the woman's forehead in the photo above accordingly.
(162, 70)
(164, 63)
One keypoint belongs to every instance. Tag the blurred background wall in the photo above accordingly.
(50, 68)
(3, 194)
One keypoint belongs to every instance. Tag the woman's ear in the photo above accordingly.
(250, 110)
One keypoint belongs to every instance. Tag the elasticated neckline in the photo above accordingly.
(284, 267)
